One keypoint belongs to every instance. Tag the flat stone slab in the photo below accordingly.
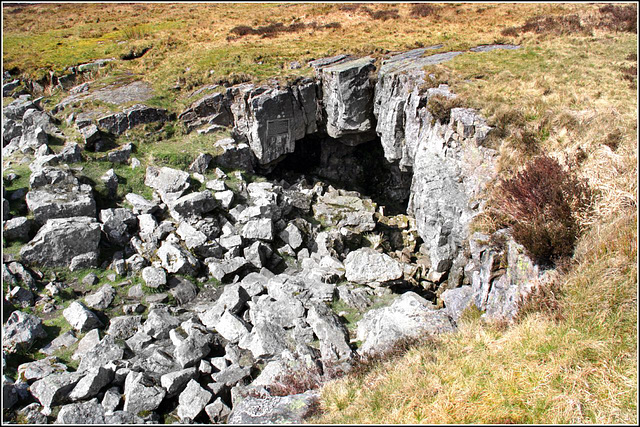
(489, 47)
(137, 91)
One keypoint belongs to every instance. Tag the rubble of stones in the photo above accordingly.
(222, 285)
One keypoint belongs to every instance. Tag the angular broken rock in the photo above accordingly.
(81, 318)
(224, 197)
(54, 388)
(190, 351)
(159, 323)
(120, 122)
(177, 260)
(192, 401)
(292, 236)
(154, 277)
(65, 340)
(28, 372)
(265, 340)
(333, 336)
(183, 290)
(107, 350)
(101, 299)
(88, 342)
(201, 163)
(90, 412)
(233, 299)
(120, 155)
(234, 155)
(141, 394)
(140, 204)
(347, 92)
(61, 202)
(291, 409)
(20, 296)
(341, 210)
(217, 411)
(283, 312)
(272, 119)
(118, 224)
(232, 328)
(17, 228)
(366, 265)
(20, 331)
(174, 382)
(91, 384)
(111, 400)
(62, 239)
(258, 229)
(169, 183)
(124, 327)
(193, 204)
(456, 300)
(232, 375)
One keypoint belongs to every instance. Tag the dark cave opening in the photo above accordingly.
(361, 168)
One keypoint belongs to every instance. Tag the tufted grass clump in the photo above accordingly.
(542, 204)
(440, 107)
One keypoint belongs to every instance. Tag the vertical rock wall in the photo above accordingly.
(450, 166)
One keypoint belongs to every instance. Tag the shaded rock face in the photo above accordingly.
(273, 119)
(350, 167)
(213, 109)
(131, 117)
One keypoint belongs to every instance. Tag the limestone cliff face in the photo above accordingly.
(450, 165)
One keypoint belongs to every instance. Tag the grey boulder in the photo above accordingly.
(141, 394)
(62, 239)
(54, 388)
(20, 331)
(90, 412)
(291, 409)
(409, 316)
(101, 299)
(81, 318)
(192, 401)
(366, 265)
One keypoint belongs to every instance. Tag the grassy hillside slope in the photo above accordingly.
(570, 91)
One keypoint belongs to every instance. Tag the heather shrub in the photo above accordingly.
(382, 15)
(541, 204)
(619, 18)
(546, 24)
(273, 30)
(424, 9)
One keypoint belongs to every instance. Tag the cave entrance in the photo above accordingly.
(362, 168)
